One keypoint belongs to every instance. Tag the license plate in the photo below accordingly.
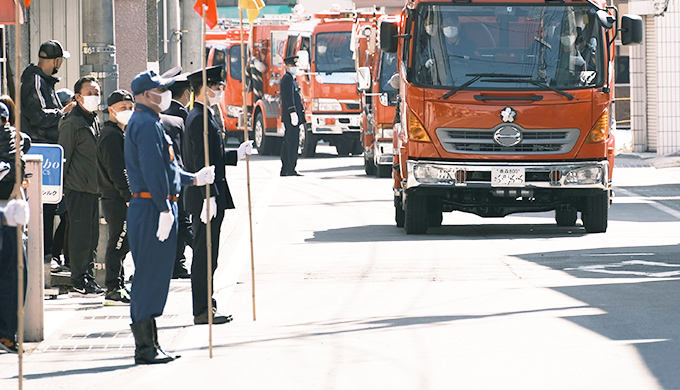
(507, 177)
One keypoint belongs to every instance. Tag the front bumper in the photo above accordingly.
(383, 153)
(335, 123)
(540, 175)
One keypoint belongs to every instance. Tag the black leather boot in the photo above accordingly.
(146, 351)
(158, 346)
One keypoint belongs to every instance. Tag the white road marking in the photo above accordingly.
(654, 204)
(614, 269)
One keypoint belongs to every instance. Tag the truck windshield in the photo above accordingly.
(332, 53)
(388, 67)
(549, 45)
(235, 62)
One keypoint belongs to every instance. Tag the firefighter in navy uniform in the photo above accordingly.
(292, 116)
(155, 181)
(173, 120)
(220, 197)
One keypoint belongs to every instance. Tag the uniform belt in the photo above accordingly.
(147, 195)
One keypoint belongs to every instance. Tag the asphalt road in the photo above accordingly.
(346, 300)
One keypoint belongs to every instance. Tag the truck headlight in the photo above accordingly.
(234, 111)
(326, 105)
(590, 175)
(430, 174)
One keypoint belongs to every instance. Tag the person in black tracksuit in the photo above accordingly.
(41, 112)
(292, 116)
(173, 120)
(78, 132)
(115, 189)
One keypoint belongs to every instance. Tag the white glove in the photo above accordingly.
(165, 222)
(17, 212)
(244, 149)
(294, 119)
(205, 176)
(429, 63)
(213, 210)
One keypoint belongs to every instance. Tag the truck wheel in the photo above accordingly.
(384, 170)
(357, 148)
(595, 214)
(343, 147)
(399, 215)
(369, 166)
(435, 215)
(566, 216)
(416, 216)
(262, 142)
(308, 144)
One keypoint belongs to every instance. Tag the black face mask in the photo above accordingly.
(55, 70)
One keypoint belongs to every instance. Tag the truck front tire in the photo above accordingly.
(566, 216)
(596, 213)
(264, 144)
(416, 219)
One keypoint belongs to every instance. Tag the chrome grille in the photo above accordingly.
(534, 141)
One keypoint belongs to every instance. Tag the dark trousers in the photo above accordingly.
(9, 281)
(199, 265)
(289, 149)
(185, 235)
(153, 260)
(49, 211)
(117, 247)
(83, 234)
(59, 244)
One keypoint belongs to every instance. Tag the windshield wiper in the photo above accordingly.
(534, 82)
(477, 76)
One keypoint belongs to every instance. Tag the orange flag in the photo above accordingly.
(210, 11)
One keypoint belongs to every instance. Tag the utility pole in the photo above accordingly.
(170, 48)
(98, 45)
(191, 37)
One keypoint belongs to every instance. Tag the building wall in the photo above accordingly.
(668, 81)
(130, 39)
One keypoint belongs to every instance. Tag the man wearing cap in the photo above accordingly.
(113, 184)
(220, 197)
(173, 121)
(78, 133)
(292, 116)
(41, 111)
(155, 181)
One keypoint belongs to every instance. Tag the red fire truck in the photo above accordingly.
(504, 108)
(378, 97)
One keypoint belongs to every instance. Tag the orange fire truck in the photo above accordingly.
(225, 50)
(327, 80)
(504, 108)
(378, 97)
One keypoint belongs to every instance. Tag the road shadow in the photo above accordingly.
(79, 371)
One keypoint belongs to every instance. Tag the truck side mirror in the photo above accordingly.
(303, 60)
(631, 30)
(364, 78)
(388, 37)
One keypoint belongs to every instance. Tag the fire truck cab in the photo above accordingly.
(327, 80)
(504, 108)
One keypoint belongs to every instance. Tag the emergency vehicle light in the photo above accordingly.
(235, 34)
(600, 131)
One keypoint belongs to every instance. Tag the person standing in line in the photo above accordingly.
(78, 133)
(173, 120)
(292, 116)
(41, 111)
(220, 197)
(115, 189)
(155, 181)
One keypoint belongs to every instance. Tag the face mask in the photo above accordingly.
(293, 70)
(451, 31)
(166, 99)
(91, 103)
(322, 49)
(429, 29)
(568, 40)
(123, 117)
(215, 99)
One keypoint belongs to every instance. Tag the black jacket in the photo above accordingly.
(290, 100)
(173, 120)
(78, 133)
(113, 180)
(194, 160)
(40, 106)
(7, 154)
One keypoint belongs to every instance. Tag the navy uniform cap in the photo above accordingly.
(214, 74)
(290, 60)
(149, 80)
(180, 78)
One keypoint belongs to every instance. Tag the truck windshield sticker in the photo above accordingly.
(554, 45)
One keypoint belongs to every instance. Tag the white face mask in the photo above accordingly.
(450, 32)
(166, 99)
(568, 40)
(215, 99)
(293, 70)
(91, 103)
(123, 117)
(322, 49)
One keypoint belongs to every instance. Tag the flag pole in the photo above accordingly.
(17, 192)
(208, 230)
(245, 137)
